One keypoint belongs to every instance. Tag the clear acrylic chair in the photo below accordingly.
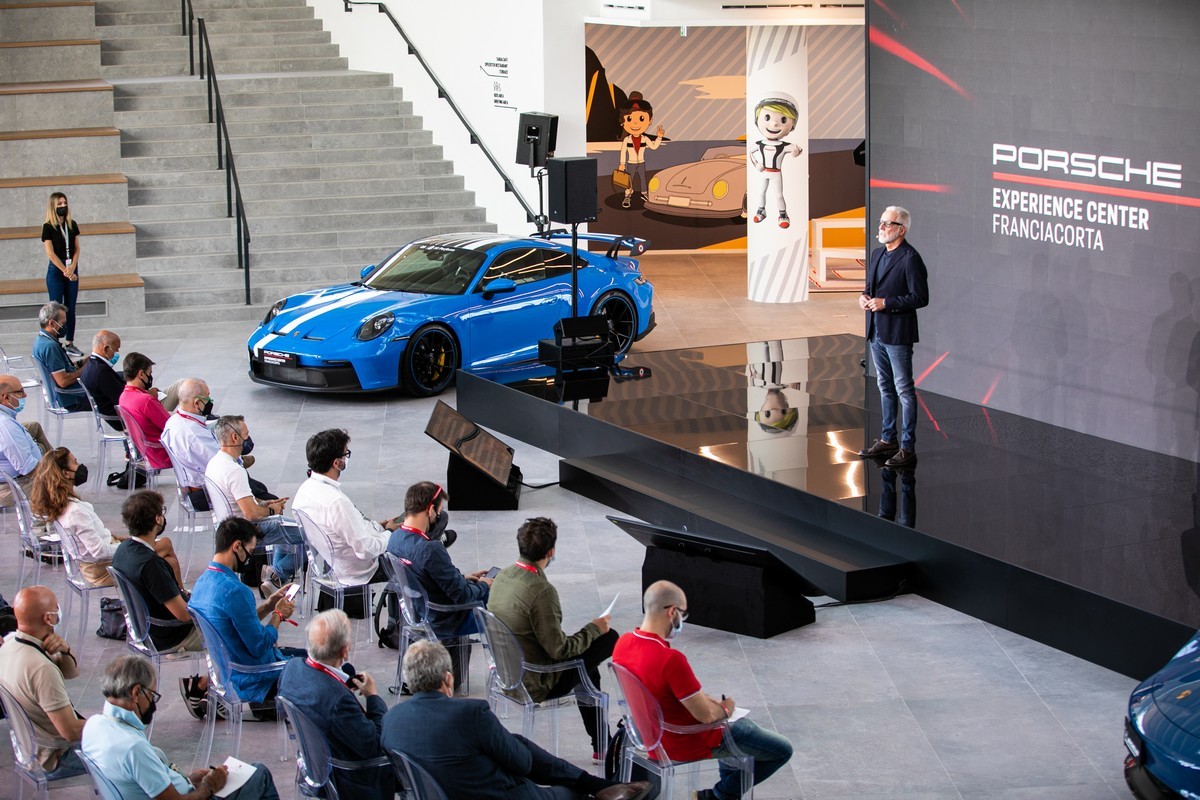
(32, 545)
(320, 570)
(415, 779)
(106, 436)
(222, 509)
(644, 726)
(195, 524)
(139, 446)
(221, 691)
(314, 763)
(507, 667)
(52, 408)
(77, 582)
(106, 789)
(415, 606)
(25, 744)
(24, 371)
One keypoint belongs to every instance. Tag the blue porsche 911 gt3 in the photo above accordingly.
(469, 301)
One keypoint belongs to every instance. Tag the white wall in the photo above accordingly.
(544, 44)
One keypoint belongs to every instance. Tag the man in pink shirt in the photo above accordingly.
(140, 401)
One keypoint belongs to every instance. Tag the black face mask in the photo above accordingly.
(240, 562)
(439, 525)
(148, 715)
(148, 380)
(206, 409)
(247, 445)
(81, 475)
(61, 211)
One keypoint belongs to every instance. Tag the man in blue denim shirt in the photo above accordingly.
(250, 633)
(52, 318)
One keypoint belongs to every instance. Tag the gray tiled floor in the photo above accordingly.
(903, 700)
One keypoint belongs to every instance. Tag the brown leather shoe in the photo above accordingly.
(625, 791)
(879, 449)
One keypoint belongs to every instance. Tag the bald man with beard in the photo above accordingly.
(35, 664)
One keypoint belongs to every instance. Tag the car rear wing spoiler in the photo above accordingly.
(635, 245)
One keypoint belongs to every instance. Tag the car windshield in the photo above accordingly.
(427, 269)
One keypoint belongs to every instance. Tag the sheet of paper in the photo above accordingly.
(738, 713)
(608, 610)
(239, 773)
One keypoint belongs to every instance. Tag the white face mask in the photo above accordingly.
(676, 628)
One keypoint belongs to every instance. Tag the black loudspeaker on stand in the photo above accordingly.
(572, 189)
(471, 489)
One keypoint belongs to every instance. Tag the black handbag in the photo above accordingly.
(112, 619)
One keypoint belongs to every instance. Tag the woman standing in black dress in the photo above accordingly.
(60, 235)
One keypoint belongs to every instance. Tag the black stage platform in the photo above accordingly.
(1088, 545)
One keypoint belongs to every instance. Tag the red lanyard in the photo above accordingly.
(192, 419)
(527, 568)
(417, 531)
(319, 666)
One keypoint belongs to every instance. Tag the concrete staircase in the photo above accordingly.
(335, 170)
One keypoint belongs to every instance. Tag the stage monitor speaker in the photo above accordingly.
(480, 475)
(572, 189)
(537, 136)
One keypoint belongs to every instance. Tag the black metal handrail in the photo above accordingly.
(234, 207)
(444, 94)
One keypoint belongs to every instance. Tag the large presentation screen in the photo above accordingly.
(1049, 151)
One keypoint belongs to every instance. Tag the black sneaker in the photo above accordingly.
(903, 458)
(73, 351)
(195, 698)
(878, 449)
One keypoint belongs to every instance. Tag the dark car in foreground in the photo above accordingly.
(1162, 731)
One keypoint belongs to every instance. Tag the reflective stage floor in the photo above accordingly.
(1103, 517)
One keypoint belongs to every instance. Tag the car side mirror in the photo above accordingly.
(498, 286)
(367, 270)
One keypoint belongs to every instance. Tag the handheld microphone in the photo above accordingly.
(352, 677)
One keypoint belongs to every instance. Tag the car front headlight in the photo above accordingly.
(653, 184)
(274, 310)
(375, 327)
(720, 189)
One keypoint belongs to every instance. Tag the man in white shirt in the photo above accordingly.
(226, 472)
(357, 542)
(192, 445)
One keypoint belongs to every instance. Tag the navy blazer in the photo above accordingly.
(352, 734)
(904, 287)
(462, 744)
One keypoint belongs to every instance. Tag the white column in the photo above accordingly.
(776, 82)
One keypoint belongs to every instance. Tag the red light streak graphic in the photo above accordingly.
(930, 368)
(991, 430)
(1135, 194)
(899, 20)
(988, 395)
(929, 414)
(939, 188)
(890, 45)
(961, 13)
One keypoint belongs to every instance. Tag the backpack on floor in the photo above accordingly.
(112, 619)
(387, 620)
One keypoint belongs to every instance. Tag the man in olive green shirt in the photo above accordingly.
(526, 602)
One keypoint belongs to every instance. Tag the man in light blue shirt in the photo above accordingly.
(115, 741)
(249, 633)
(21, 446)
(63, 385)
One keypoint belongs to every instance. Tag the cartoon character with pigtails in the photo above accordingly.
(775, 118)
(635, 118)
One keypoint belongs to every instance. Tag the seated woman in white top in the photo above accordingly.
(53, 497)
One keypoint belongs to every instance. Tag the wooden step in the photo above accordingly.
(58, 133)
(53, 43)
(48, 4)
(117, 280)
(62, 180)
(50, 87)
(85, 229)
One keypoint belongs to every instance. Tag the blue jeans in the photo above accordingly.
(769, 750)
(63, 291)
(260, 786)
(273, 530)
(893, 365)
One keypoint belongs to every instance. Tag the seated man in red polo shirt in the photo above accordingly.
(667, 674)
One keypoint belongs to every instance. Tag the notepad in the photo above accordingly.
(239, 773)
(738, 713)
(608, 610)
